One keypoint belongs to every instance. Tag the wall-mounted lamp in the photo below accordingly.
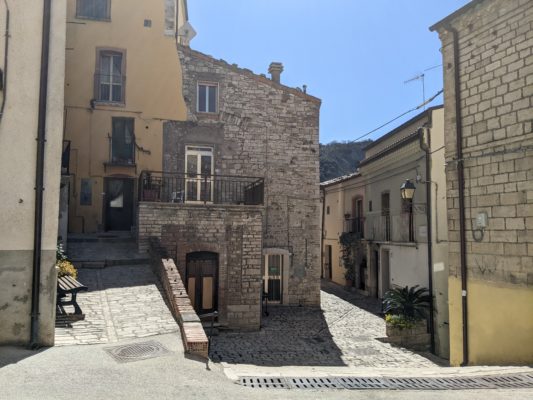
(407, 190)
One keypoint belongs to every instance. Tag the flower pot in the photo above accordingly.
(349, 282)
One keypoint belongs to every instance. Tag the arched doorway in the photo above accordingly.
(202, 281)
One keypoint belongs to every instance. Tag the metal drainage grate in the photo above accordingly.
(313, 383)
(264, 382)
(362, 383)
(137, 351)
(519, 381)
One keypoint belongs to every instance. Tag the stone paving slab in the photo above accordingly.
(122, 302)
(339, 334)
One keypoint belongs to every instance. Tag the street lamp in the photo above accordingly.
(407, 190)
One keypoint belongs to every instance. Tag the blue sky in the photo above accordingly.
(355, 55)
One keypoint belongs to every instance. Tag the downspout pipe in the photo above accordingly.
(426, 147)
(6, 64)
(461, 189)
(322, 236)
(39, 176)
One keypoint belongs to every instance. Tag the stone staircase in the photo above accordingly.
(104, 250)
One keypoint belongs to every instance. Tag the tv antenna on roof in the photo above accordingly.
(419, 77)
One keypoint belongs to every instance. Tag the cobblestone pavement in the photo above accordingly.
(122, 302)
(338, 334)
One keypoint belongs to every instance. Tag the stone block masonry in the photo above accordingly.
(234, 233)
(496, 83)
(492, 42)
(263, 129)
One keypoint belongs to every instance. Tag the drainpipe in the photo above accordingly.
(39, 177)
(323, 191)
(426, 148)
(6, 55)
(461, 187)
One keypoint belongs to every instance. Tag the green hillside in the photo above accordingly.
(340, 158)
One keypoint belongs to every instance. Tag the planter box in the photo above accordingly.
(416, 338)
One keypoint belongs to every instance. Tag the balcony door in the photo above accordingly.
(199, 167)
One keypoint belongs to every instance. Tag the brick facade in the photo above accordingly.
(495, 78)
(262, 129)
(496, 75)
(233, 232)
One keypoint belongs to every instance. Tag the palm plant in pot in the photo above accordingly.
(405, 311)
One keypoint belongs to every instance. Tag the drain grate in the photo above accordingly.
(362, 383)
(517, 381)
(137, 351)
(264, 382)
(313, 383)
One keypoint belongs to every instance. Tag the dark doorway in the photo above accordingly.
(118, 204)
(376, 271)
(202, 281)
(362, 274)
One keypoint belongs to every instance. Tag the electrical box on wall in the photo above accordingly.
(481, 220)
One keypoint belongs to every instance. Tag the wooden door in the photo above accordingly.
(202, 281)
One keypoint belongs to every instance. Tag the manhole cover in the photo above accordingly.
(137, 351)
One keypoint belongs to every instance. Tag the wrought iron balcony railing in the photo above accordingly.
(171, 187)
(355, 225)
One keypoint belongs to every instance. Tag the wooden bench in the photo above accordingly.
(67, 285)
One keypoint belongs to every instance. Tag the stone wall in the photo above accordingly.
(496, 75)
(495, 44)
(267, 130)
(192, 333)
(233, 232)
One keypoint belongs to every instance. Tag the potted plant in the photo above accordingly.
(150, 189)
(405, 311)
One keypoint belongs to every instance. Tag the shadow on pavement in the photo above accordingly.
(14, 354)
(297, 336)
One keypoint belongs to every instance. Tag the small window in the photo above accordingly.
(94, 9)
(207, 97)
(370, 206)
(86, 192)
(123, 141)
(327, 210)
(110, 77)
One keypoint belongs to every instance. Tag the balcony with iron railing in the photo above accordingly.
(355, 226)
(396, 226)
(187, 188)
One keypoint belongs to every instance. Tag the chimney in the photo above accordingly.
(275, 69)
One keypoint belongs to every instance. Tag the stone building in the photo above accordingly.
(488, 86)
(32, 59)
(238, 203)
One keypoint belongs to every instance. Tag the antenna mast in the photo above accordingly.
(419, 77)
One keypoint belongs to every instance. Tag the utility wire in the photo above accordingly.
(398, 117)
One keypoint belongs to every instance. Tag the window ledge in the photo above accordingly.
(109, 103)
(207, 115)
(96, 19)
(119, 164)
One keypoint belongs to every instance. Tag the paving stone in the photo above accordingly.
(122, 302)
(340, 333)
